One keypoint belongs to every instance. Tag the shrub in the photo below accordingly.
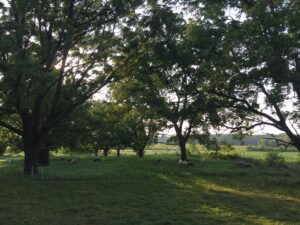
(274, 159)
(192, 149)
(62, 151)
(230, 156)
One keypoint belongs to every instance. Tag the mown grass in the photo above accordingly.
(128, 190)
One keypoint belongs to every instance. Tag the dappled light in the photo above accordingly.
(115, 189)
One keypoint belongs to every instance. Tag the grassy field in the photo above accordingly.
(134, 191)
(288, 156)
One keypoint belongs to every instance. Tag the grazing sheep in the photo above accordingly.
(190, 163)
(245, 165)
(185, 163)
(181, 162)
(73, 161)
(158, 160)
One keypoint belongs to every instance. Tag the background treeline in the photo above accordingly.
(228, 138)
(255, 142)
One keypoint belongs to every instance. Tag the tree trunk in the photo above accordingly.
(44, 157)
(141, 152)
(296, 142)
(105, 151)
(96, 152)
(296, 79)
(182, 145)
(118, 152)
(31, 158)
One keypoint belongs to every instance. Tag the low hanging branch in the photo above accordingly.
(279, 142)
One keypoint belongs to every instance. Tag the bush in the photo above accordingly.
(274, 159)
(192, 149)
(230, 156)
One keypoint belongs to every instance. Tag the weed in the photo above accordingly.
(274, 159)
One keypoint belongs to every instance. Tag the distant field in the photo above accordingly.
(241, 150)
(288, 156)
(148, 191)
(162, 149)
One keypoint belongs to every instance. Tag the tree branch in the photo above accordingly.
(11, 128)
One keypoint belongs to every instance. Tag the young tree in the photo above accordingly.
(54, 55)
(101, 126)
(143, 127)
(106, 128)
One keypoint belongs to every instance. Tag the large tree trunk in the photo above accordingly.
(295, 139)
(44, 155)
(31, 158)
(32, 139)
(296, 142)
(182, 145)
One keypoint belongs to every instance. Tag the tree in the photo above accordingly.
(143, 127)
(54, 55)
(263, 70)
(255, 67)
(167, 74)
(141, 123)
(102, 126)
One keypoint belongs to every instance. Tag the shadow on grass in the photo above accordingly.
(128, 190)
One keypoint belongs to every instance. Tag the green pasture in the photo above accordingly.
(152, 190)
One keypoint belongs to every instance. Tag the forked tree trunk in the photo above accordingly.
(182, 140)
